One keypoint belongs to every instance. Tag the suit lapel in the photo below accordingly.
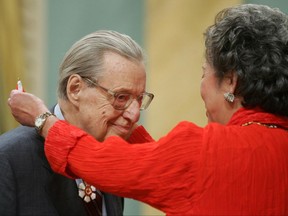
(114, 205)
(64, 195)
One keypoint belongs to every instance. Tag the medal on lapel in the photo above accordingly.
(87, 192)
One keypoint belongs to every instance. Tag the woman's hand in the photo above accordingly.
(25, 107)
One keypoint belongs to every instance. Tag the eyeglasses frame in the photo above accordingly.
(113, 94)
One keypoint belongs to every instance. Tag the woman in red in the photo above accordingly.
(236, 165)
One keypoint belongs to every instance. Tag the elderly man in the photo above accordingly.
(102, 83)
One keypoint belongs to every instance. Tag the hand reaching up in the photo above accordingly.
(25, 107)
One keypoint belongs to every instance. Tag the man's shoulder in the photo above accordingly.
(19, 138)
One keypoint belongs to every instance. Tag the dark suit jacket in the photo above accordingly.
(28, 185)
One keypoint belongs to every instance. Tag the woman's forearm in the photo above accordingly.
(48, 124)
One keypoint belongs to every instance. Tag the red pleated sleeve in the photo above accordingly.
(159, 173)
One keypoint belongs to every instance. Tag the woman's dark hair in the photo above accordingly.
(252, 41)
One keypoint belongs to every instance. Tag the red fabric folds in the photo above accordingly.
(215, 170)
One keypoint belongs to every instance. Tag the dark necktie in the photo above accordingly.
(92, 199)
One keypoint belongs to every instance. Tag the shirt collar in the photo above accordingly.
(58, 112)
(244, 115)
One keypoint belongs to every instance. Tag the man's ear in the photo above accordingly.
(74, 86)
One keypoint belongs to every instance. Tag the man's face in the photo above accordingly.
(96, 114)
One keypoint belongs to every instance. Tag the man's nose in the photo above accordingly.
(132, 112)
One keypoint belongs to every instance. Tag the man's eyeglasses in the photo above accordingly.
(123, 100)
